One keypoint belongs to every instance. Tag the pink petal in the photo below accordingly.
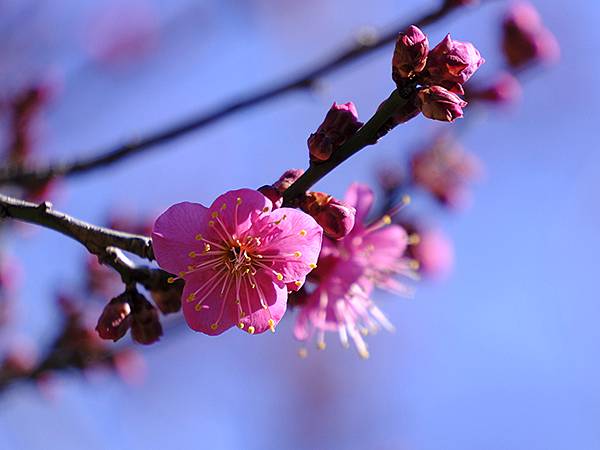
(274, 296)
(173, 236)
(212, 307)
(296, 238)
(360, 196)
(389, 243)
(237, 209)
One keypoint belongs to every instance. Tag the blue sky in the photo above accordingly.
(502, 355)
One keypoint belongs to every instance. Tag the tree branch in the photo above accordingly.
(28, 177)
(96, 239)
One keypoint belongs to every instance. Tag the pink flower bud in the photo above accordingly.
(272, 194)
(115, 319)
(334, 216)
(145, 327)
(288, 178)
(440, 104)
(453, 62)
(525, 39)
(168, 300)
(410, 54)
(506, 89)
(341, 122)
(457, 3)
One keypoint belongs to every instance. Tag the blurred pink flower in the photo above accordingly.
(525, 39)
(506, 89)
(348, 271)
(119, 32)
(237, 258)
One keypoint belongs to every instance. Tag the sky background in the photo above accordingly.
(502, 355)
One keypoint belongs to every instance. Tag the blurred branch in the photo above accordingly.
(28, 177)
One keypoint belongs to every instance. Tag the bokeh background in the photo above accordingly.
(503, 354)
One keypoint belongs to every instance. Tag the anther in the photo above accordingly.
(171, 280)
(279, 276)
(302, 232)
(192, 254)
(297, 254)
(241, 326)
(223, 206)
(272, 325)
(406, 199)
(312, 265)
(414, 264)
(414, 239)
(191, 297)
(199, 237)
(215, 214)
(321, 345)
(251, 329)
(386, 219)
(298, 283)
(214, 326)
(238, 201)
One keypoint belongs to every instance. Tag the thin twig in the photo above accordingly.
(28, 177)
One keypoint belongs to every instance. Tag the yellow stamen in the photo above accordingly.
(298, 283)
(386, 219)
(414, 239)
(279, 276)
(199, 237)
(251, 329)
(297, 254)
(312, 266)
(170, 280)
(214, 326)
(302, 232)
(241, 326)
(192, 254)
(238, 201)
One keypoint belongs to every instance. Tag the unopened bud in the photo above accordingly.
(115, 319)
(440, 104)
(288, 178)
(145, 327)
(341, 122)
(410, 54)
(334, 216)
(453, 62)
(168, 300)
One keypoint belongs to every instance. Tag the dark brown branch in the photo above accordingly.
(96, 239)
(35, 177)
(364, 137)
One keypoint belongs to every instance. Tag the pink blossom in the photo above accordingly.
(238, 258)
(348, 271)
(453, 62)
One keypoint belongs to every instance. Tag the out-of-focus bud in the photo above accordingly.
(445, 169)
(525, 39)
(288, 178)
(506, 89)
(130, 366)
(168, 300)
(20, 359)
(116, 318)
(390, 177)
(272, 194)
(335, 217)
(440, 104)
(453, 62)
(341, 122)
(410, 54)
(145, 327)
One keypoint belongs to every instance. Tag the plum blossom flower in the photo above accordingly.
(348, 271)
(238, 258)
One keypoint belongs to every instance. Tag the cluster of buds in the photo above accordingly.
(432, 80)
(130, 311)
(75, 347)
(525, 40)
(341, 123)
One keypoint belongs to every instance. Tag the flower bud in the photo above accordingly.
(115, 319)
(440, 104)
(410, 54)
(525, 39)
(453, 62)
(145, 327)
(458, 3)
(288, 178)
(168, 300)
(341, 122)
(272, 194)
(334, 216)
(506, 89)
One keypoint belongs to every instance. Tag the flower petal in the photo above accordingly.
(238, 209)
(360, 196)
(173, 236)
(264, 293)
(294, 242)
(214, 309)
(389, 244)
